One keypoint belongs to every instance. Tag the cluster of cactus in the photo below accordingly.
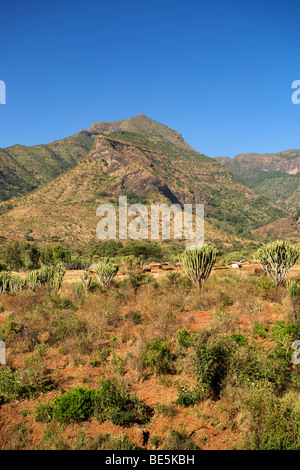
(197, 264)
(56, 282)
(277, 258)
(52, 275)
(130, 263)
(32, 280)
(11, 283)
(105, 272)
(4, 282)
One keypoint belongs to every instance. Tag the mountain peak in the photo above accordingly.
(140, 116)
(140, 124)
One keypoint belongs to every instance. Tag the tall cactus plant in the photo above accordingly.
(86, 281)
(197, 264)
(16, 284)
(57, 279)
(32, 279)
(105, 272)
(277, 258)
(11, 283)
(4, 282)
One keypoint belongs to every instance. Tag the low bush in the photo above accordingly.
(212, 364)
(259, 329)
(75, 405)
(187, 397)
(114, 403)
(43, 412)
(184, 337)
(178, 440)
(23, 384)
(109, 402)
(157, 356)
(275, 422)
(98, 357)
(134, 317)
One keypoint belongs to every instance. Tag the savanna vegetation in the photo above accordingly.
(199, 357)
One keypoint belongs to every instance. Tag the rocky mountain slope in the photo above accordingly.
(276, 176)
(25, 168)
(137, 157)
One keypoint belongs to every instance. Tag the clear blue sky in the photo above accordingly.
(218, 71)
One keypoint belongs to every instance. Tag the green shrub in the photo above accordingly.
(9, 329)
(264, 286)
(294, 289)
(64, 325)
(134, 316)
(175, 279)
(157, 356)
(184, 337)
(226, 299)
(75, 405)
(155, 441)
(43, 412)
(259, 329)
(9, 382)
(99, 356)
(240, 339)
(255, 368)
(275, 423)
(137, 279)
(25, 383)
(118, 363)
(187, 397)
(114, 403)
(285, 333)
(212, 365)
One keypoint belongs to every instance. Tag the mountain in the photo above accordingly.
(276, 176)
(25, 168)
(140, 158)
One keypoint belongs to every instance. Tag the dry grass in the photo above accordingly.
(90, 336)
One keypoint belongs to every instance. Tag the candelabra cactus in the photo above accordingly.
(105, 272)
(197, 264)
(4, 282)
(57, 279)
(16, 284)
(86, 280)
(277, 258)
(32, 279)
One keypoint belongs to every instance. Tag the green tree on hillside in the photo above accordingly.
(61, 254)
(13, 256)
(47, 257)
